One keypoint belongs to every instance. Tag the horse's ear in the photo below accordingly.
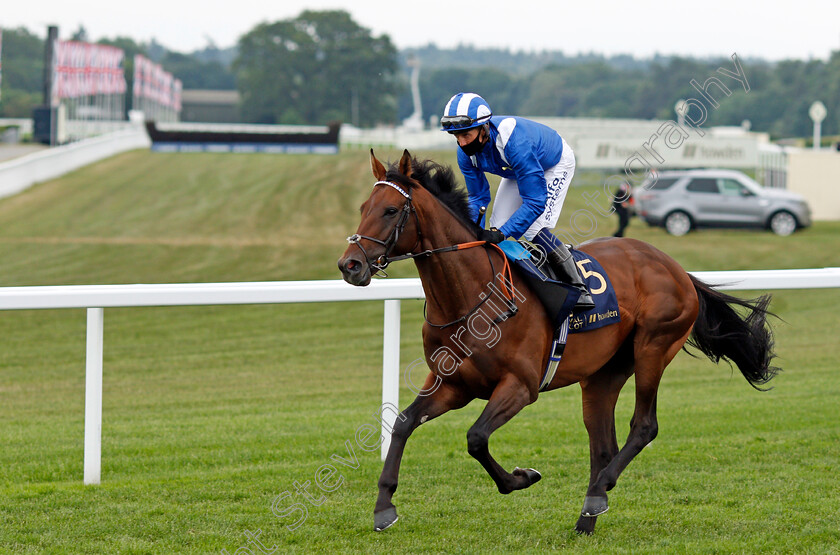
(377, 167)
(405, 164)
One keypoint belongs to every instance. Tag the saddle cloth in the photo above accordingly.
(559, 298)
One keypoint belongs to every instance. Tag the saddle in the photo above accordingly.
(559, 298)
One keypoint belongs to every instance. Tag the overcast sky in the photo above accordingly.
(773, 30)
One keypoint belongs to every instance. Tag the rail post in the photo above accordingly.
(390, 370)
(93, 396)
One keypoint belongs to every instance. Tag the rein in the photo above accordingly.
(507, 279)
(390, 242)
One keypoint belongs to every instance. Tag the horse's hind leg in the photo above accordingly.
(651, 358)
(509, 397)
(600, 394)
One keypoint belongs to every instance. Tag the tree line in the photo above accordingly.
(323, 66)
(777, 102)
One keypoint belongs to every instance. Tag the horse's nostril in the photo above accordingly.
(349, 265)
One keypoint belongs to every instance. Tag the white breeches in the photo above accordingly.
(557, 180)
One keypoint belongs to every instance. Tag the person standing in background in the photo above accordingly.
(623, 204)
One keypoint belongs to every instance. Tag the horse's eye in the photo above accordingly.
(390, 211)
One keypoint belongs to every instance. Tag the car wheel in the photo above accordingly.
(783, 223)
(678, 223)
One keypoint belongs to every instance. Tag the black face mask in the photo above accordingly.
(474, 147)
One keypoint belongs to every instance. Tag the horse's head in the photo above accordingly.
(389, 225)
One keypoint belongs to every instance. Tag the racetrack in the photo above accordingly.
(211, 413)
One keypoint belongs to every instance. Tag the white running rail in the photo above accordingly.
(95, 298)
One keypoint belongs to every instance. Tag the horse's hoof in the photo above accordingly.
(533, 475)
(384, 519)
(594, 506)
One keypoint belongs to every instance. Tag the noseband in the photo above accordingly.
(390, 242)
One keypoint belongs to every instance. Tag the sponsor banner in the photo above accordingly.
(153, 83)
(84, 69)
(707, 151)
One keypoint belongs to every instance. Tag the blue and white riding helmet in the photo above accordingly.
(465, 111)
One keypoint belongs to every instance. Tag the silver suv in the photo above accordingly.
(682, 200)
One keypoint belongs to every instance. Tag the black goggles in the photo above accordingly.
(456, 122)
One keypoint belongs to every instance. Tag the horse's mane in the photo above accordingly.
(440, 181)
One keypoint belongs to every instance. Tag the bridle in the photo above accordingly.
(382, 261)
(390, 242)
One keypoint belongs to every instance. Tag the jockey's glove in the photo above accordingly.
(492, 235)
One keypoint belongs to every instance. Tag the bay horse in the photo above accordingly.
(416, 211)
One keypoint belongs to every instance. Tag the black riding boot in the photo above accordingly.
(563, 264)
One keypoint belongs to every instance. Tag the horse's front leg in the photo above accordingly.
(509, 397)
(425, 407)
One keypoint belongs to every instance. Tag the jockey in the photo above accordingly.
(536, 166)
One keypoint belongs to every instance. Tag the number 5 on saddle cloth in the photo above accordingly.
(559, 298)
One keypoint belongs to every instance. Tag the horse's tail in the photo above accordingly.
(720, 332)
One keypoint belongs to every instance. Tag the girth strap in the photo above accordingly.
(556, 354)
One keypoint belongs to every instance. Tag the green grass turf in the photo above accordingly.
(210, 413)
